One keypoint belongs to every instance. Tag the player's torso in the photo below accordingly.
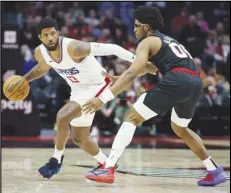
(171, 54)
(86, 72)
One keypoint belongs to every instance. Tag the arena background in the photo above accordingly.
(202, 27)
(207, 40)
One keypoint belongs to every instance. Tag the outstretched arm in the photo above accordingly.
(125, 80)
(79, 49)
(149, 68)
(40, 69)
(100, 49)
(127, 77)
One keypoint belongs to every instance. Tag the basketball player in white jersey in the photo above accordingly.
(74, 61)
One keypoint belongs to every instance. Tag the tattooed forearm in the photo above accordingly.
(36, 72)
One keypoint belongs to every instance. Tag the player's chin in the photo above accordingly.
(51, 48)
(139, 38)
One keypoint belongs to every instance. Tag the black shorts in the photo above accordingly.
(177, 90)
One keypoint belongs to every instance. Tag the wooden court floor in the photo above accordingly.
(141, 171)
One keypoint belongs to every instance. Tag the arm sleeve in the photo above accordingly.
(100, 49)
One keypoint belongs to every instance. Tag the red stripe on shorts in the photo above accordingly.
(107, 80)
(185, 70)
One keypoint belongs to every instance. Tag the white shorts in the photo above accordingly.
(81, 95)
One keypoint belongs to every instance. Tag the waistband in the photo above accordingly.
(185, 70)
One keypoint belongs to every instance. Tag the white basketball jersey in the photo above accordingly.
(87, 72)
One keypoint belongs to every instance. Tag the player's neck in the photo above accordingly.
(152, 32)
(149, 33)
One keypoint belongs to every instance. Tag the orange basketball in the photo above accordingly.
(16, 88)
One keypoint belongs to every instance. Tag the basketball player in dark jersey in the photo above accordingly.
(179, 91)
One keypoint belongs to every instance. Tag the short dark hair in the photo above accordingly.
(149, 15)
(47, 22)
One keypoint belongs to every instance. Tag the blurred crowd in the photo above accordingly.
(202, 27)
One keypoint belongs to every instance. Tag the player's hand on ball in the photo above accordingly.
(92, 106)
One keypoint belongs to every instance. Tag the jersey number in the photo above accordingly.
(179, 50)
(72, 79)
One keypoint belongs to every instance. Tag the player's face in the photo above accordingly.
(140, 30)
(50, 38)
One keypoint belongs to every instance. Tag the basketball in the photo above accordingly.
(16, 88)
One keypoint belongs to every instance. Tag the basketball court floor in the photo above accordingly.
(141, 170)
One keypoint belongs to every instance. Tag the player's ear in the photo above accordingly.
(39, 36)
(147, 27)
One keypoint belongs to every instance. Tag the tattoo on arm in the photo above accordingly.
(40, 69)
(36, 72)
(80, 49)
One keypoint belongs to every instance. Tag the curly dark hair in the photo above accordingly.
(47, 22)
(149, 15)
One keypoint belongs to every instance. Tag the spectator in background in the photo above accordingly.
(91, 19)
(121, 109)
(29, 61)
(106, 116)
(107, 7)
(76, 11)
(130, 44)
(201, 22)
(119, 25)
(217, 86)
(28, 33)
(222, 48)
(192, 37)
(50, 10)
(210, 50)
(64, 31)
(105, 36)
(222, 52)
(222, 84)
(220, 29)
(107, 21)
(20, 15)
(199, 68)
(209, 94)
(126, 15)
(119, 38)
(120, 67)
(60, 17)
(75, 30)
(179, 22)
(223, 91)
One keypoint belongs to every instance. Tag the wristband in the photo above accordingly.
(106, 96)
